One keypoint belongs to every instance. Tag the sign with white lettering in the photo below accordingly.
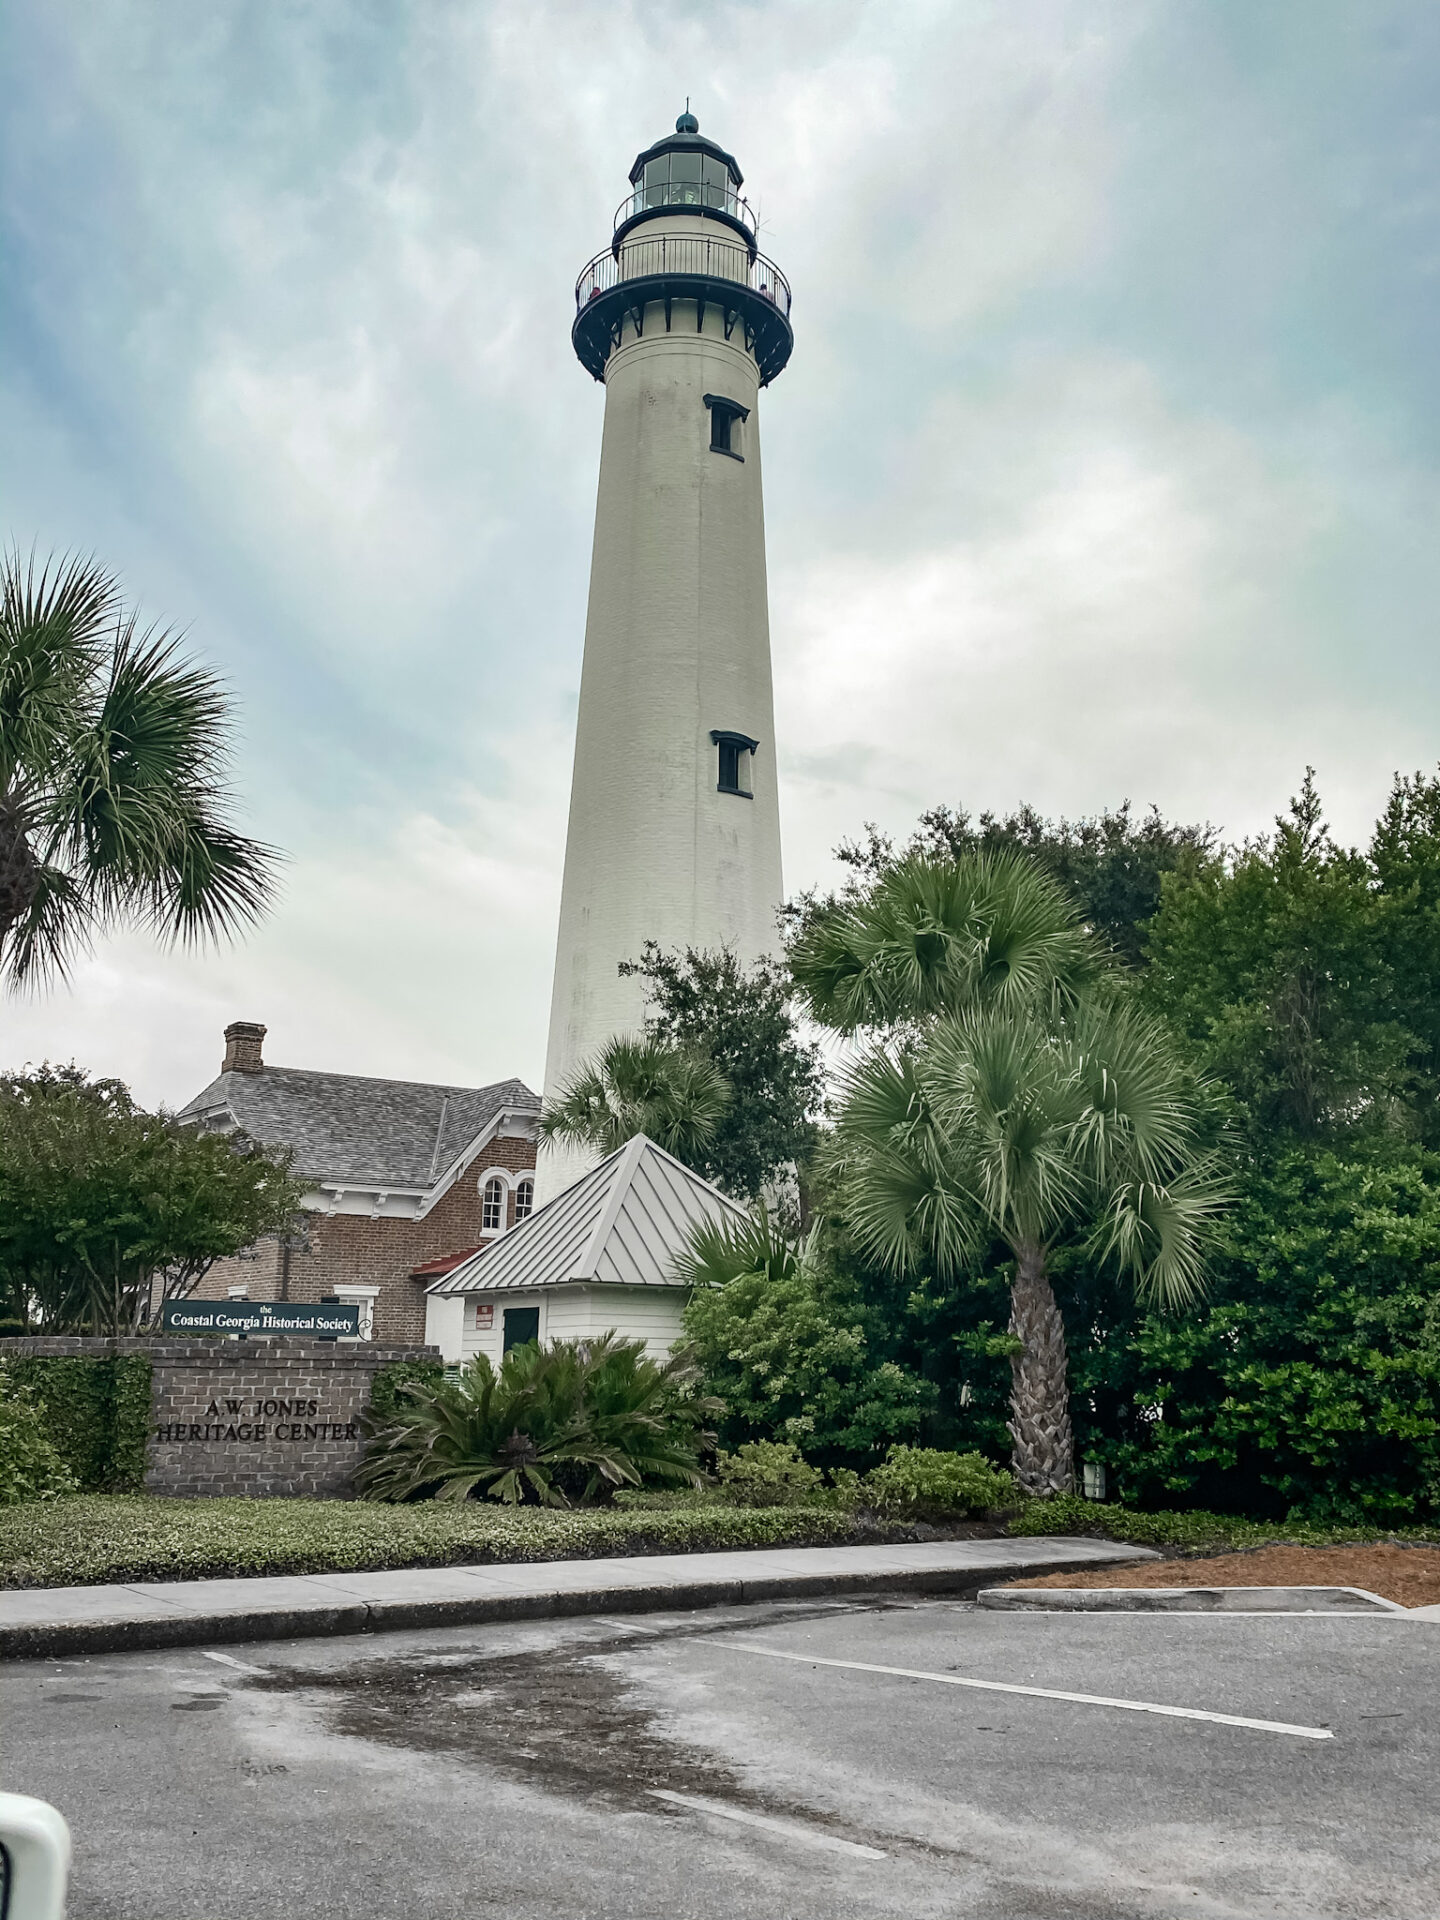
(484, 1313)
(323, 1322)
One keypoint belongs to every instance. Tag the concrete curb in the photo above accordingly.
(40, 1623)
(1351, 1600)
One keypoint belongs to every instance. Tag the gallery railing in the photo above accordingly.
(685, 193)
(688, 255)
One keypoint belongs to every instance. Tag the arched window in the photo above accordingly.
(524, 1200)
(492, 1206)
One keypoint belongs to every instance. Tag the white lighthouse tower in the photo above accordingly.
(674, 831)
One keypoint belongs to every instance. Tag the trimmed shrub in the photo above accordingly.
(767, 1473)
(30, 1467)
(786, 1345)
(94, 1539)
(922, 1480)
(1193, 1532)
(95, 1413)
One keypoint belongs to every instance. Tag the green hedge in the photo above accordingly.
(95, 1412)
(30, 1468)
(385, 1395)
(93, 1539)
(1192, 1532)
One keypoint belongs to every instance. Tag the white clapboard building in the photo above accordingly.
(600, 1257)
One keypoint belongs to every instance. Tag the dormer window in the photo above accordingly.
(734, 751)
(726, 417)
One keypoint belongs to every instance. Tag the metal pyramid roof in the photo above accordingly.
(621, 1224)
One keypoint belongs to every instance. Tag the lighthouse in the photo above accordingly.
(674, 830)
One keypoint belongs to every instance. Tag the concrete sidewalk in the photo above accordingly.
(47, 1621)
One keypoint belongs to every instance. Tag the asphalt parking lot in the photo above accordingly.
(750, 1762)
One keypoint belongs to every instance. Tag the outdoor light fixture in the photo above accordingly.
(1092, 1479)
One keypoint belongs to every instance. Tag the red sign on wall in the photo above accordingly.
(484, 1314)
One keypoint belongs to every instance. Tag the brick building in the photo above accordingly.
(402, 1179)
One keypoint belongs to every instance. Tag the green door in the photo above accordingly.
(522, 1326)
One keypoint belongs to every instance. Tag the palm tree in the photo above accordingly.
(935, 935)
(113, 796)
(1004, 1124)
(1017, 1095)
(674, 1095)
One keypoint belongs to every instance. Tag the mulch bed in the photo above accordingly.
(1408, 1575)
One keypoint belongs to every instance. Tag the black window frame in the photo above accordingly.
(723, 415)
(730, 745)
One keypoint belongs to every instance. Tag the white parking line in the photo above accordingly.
(788, 1830)
(1037, 1693)
(224, 1660)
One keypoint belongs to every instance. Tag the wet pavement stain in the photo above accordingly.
(568, 1721)
(560, 1718)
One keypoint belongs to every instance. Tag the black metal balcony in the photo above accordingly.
(702, 198)
(746, 290)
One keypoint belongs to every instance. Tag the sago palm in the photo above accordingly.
(575, 1417)
(113, 798)
(671, 1094)
(1018, 1125)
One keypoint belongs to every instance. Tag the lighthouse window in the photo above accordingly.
(688, 180)
(734, 750)
(725, 417)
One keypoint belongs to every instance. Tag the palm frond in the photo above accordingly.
(1159, 1233)
(55, 923)
(938, 936)
(674, 1095)
(55, 624)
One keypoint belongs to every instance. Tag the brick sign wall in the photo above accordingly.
(251, 1417)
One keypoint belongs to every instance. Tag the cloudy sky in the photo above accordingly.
(1107, 465)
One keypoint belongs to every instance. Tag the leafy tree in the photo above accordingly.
(1405, 863)
(673, 1095)
(573, 1418)
(1309, 1381)
(788, 1348)
(1021, 1096)
(99, 1198)
(1275, 965)
(1111, 863)
(114, 807)
(742, 1019)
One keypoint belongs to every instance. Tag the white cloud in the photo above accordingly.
(294, 290)
(1082, 597)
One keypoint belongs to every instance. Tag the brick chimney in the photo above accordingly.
(242, 1047)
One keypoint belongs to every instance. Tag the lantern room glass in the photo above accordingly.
(688, 178)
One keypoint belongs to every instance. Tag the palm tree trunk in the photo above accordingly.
(1043, 1458)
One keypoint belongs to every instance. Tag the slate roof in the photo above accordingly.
(621, 1224)
(359, 1132)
